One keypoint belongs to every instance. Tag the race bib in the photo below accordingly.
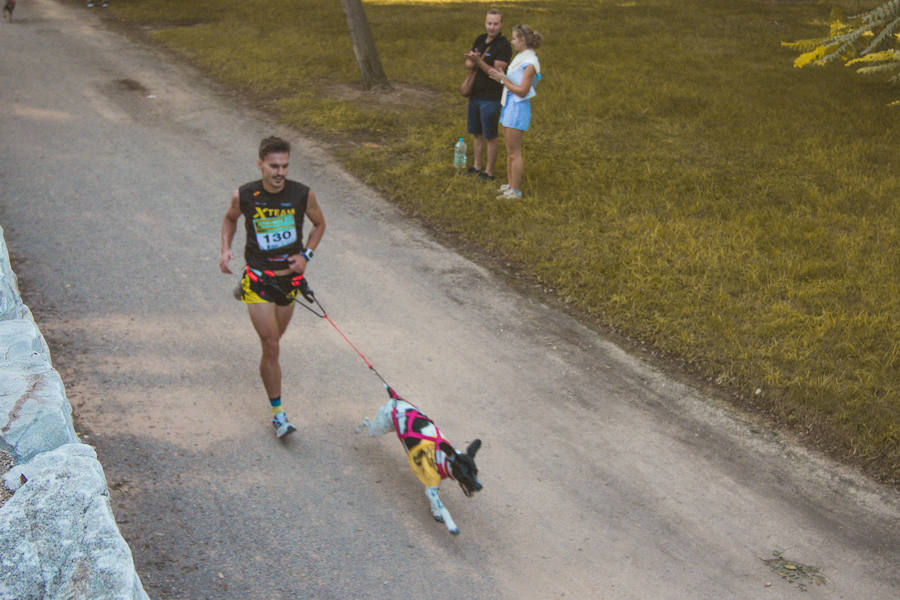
(275, 232)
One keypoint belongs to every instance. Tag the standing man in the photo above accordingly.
(495, 52)
(273, 209)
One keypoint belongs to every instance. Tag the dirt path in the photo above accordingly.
(603, 478)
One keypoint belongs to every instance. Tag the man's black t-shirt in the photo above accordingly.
(274, 223)
(485, 88)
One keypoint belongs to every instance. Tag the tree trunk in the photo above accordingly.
(364, 46)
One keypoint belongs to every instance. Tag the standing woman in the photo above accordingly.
(518, 90)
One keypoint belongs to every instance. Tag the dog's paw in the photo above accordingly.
(365, 423)
(438, 518)
(454, 531)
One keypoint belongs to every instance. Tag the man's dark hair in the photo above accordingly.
(273, 144)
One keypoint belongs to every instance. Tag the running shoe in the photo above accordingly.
(510, 194)
(281, 425)
(504, 187)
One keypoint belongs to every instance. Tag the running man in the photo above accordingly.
(273, 208)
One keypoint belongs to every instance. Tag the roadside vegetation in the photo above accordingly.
(685, 185)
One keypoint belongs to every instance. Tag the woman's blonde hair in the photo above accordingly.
(532, 38)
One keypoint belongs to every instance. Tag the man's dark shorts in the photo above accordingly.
(483, 118)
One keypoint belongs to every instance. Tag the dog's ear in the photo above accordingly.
(473, 448)
(448, 450)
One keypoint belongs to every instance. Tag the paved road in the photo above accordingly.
(603, 478)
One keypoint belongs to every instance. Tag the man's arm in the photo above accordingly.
(476, 58)
(470, 63)
(503, 56)
(315, 216)
(229, 228)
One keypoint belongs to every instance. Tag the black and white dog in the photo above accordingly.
(431, 457)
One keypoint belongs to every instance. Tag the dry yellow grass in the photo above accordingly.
(684, 184)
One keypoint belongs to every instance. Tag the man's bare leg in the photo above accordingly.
(270, 322)
(491, 155)
(478, 145)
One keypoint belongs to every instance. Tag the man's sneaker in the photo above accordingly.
(485, 177)
(473, 171)
(510, 194)
(281, 425)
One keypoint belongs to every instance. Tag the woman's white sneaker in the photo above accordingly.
(510, 194)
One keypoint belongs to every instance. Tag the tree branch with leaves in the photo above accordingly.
(867, 40)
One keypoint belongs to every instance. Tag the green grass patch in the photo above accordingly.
(685, 185)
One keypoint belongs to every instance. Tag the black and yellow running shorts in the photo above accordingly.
(263, 286)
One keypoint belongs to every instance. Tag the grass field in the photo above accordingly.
(684, 186)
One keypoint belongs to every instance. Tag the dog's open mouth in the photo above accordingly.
(469, 490)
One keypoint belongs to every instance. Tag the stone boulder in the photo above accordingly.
(21, 342)
(58, 537)
(35, 415)
(11, 305)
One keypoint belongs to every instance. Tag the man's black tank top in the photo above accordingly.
(274, 223)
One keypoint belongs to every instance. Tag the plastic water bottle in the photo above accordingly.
(459, 155)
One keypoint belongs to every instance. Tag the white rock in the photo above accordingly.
(58, 537)
(11, 305)
(21, 342)
(34, 413)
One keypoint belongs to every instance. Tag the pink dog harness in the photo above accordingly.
(427, 442)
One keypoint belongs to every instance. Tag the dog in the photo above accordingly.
(8, 9)
(431, 457)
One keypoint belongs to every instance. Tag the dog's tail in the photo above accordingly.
(367, 423)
